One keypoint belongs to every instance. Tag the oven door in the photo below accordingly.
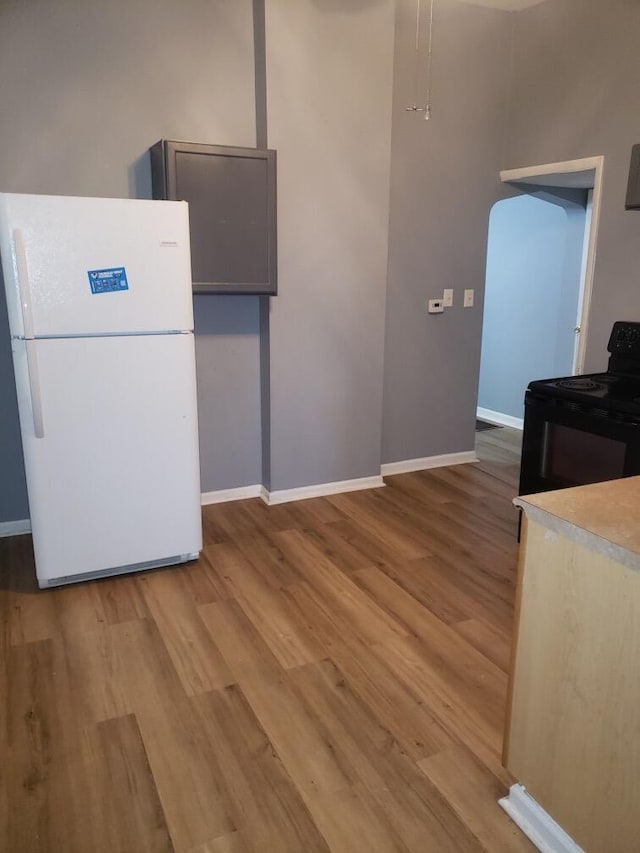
(565, 444)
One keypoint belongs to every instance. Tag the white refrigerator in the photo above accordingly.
(101, 322)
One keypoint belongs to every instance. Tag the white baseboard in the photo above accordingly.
(426, 462)
(320, 490)
(15, 528)
(539, 827)
(499, 418)
(224, 495)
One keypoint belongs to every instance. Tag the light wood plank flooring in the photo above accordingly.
(329, 676)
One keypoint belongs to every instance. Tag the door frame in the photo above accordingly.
(584, 173)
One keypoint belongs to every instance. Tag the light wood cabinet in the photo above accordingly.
(572, 735)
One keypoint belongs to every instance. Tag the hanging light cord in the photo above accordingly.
(427, 107)
(416, 64)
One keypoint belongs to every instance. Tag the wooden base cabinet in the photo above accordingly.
(572, 735)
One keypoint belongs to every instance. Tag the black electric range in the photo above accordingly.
(585, 429)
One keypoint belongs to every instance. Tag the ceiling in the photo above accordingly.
(508, 5)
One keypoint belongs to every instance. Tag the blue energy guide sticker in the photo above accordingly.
(109, 280)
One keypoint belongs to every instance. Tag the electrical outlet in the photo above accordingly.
(447, 297)
(468, 299)
(435, 306)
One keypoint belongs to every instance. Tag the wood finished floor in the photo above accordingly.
(329, 676)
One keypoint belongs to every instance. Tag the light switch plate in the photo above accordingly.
(468, 299)
(447, 297)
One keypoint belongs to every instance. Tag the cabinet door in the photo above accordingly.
(574, 717)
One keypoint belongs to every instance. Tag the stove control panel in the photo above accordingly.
(625, 340)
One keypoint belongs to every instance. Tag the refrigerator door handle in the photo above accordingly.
(23, 282)
(34, 388)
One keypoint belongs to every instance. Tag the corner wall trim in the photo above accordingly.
(499, 418)
(224, 495)
(426, 462)
(320, 490)
(15, 528)
(539, 827)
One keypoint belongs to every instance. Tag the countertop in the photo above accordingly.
(604, 517)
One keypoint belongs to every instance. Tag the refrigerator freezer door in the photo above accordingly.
(114, 481)
(93, 266)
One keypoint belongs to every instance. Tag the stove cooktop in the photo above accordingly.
(617, 390)
(598, 390)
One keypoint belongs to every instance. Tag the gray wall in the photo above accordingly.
(228, 370)
(13, 488)
(87, 86)
(444, 180)
(329, 86)
(575, 94)
(121, 75)
(531, 297)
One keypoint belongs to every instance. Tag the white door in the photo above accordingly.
(90, 266)
(114, 479)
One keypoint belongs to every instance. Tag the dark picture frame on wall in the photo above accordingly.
(231, 193)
